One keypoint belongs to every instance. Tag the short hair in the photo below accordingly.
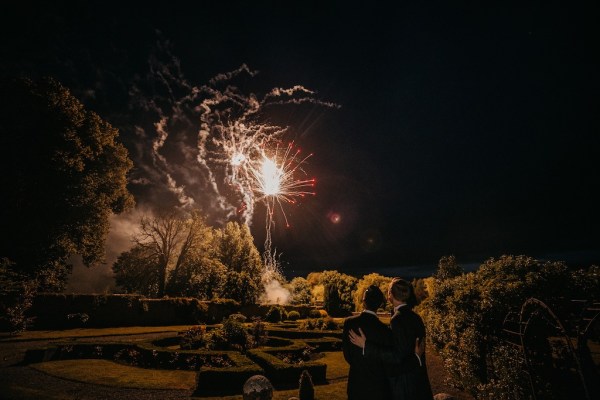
(373, 298)
(402, 290)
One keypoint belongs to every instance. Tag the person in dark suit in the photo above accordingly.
(405, 359)
(367, 378)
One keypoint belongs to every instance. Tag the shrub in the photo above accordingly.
(293, 315)
(464, 318)
(258, 333)
(285, 375)
(193, 338)
(238, 317)
(314, 313)
(276, 314)
(16, 298)
(306, 391)
(232, 335)
(319, 324)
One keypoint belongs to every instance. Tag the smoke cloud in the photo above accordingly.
(100, 278)
(275, 293)
(182, 139)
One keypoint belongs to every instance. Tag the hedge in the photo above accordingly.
(212, 380)
(226, 381)
(143, 354)
(301, 334)
(261, 310)
(63, 311)
(283, 375)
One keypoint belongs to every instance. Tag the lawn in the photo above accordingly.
(89, 332)
(103, 372)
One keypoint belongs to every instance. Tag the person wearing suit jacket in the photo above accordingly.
(367, 378)
(405, 359)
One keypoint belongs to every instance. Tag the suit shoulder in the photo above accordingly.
(351, 321)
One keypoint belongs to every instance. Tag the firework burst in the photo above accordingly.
(275, 182)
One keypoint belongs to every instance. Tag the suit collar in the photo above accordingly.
(398, 307)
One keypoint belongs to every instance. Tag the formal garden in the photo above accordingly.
(513, 328)
(223, 355)
(203, 360)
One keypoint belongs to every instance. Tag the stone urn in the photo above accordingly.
(257, 387)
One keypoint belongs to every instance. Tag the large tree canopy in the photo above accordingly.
(64, 172)
(182, 256)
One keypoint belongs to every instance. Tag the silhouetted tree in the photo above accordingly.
(137, 271)
(448, 268)
(169, 251)
(338, 292)
(182, 256)
(64, 173)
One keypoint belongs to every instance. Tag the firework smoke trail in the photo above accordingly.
(232, 137)
(219, 169)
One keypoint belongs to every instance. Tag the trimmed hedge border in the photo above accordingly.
(64, 311)
(143, 355)
(286, 376)
(211, 380)
(226, 381)
(303, 334)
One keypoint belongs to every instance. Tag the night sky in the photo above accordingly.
(463, 128)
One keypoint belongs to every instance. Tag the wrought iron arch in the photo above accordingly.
(553, 366)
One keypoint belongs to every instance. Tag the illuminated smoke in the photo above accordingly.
(100, 278)
(214, 148)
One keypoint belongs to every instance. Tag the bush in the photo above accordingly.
(16, 298)
(238, 317)
(293, 315)
(306, 391)
(232, 335)
(193, 338)
(465, 314)
(319, 324)
(315, 313)
(285, 375)
(258, 333)
(276, 314)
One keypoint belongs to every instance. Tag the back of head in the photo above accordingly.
(403, 291)
(373, 298)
